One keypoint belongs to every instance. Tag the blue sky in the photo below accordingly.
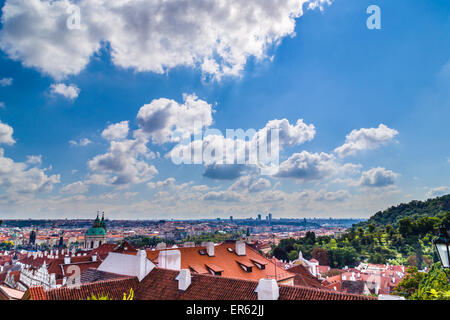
(325, 67)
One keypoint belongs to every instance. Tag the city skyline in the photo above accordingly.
(91, 114)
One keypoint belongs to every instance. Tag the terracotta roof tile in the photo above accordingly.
(160, 284)
(113, 288)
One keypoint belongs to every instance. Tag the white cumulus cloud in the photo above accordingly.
(6, 134)
(70, 92)
(116, 131)
(166, 120)
(366, 139)
(148, 35)
(378, 177)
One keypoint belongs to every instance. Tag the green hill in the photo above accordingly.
(402, 234)
(437, 207)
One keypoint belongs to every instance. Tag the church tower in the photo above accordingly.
(96, 236)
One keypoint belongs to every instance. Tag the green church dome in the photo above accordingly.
(98, 231)
(99, 227)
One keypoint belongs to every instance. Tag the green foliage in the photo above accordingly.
(437, 207)
(432, 285)
(400, 235)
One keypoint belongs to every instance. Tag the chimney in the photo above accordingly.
(94, 257)
(161, 245)
(169, 259)
(267, 289)
(184, 279)
(210, 249)
(142, 264)
(240, 248)
(66, 260)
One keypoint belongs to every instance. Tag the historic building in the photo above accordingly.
(96, 235)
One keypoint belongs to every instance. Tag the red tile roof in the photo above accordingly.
(160, 284)
(113, 288)
(225, 260)
(304, 278)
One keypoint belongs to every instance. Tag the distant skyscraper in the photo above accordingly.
(270, 217)
(259, 217)
(231, 218)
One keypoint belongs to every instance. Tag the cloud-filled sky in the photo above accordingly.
(96, 99)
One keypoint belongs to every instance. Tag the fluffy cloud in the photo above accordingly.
(377, 177)
(307, 166)
(366, 139)
(289, 135)
(6, 134)
(17, 179)
(78, 187)
(166, 120)
(148, 35)
(68, 91)
(251, 184)
(437, 192)
(81, 143)
(116, 131)
(5, 82)
(125, 163)
(223, 196)
(36, 160)
(170, 182)
(227, 158)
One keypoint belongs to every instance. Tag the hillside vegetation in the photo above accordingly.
(399, 235)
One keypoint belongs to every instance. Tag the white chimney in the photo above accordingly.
(169, 259)
(142, 264)
(161, 245)
(267, 289)
(94, 257)
(66, 260)
(210, 249)
(240, 248)
(184, 279)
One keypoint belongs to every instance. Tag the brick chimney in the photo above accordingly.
(267, 289)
